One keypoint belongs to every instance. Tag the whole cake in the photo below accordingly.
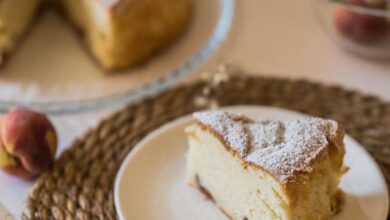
(119, 33)
(267, 169)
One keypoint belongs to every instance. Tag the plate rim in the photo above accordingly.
(186, 119)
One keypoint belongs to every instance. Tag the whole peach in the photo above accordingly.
(361, 28)
(28, 142)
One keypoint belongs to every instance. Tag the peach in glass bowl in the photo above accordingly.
(359, 26)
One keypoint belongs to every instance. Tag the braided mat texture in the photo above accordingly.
(80, 184)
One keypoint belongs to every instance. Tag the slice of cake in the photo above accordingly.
(15, 17)
(123, 33)
(267, 169)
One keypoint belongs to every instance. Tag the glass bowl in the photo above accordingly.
(52, 72)
(360, 29)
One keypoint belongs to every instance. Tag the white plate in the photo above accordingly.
(151, 185)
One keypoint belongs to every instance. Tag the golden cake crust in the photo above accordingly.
(124, 33)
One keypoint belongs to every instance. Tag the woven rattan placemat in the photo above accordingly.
(80, 184)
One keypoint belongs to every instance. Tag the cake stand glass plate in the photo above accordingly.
(151, 181)
(53, 72)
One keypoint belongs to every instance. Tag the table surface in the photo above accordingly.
(275, 38)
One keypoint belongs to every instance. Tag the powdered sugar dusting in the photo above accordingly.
(281, 148)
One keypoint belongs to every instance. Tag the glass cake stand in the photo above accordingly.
(52, 72)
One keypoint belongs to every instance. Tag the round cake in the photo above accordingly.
(119, 33)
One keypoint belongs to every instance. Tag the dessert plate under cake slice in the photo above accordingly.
(151, 183)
